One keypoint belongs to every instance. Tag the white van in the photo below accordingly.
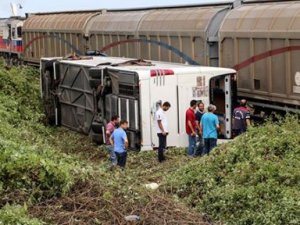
(84, 94)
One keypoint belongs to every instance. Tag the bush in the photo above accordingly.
(28, 164)
(39, 174)
(16, 215)
(254, 179)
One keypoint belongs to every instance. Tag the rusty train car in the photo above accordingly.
(260, 39)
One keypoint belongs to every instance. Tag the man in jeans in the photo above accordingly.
(200, 143)
(209, 126)
(161, 124)
(110, 127)
(120, 142)
(190, 125)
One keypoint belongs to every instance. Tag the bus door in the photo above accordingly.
(223, 96)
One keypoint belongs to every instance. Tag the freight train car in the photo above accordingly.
(84, 94)
(56, 34)
(262, 41)
(175, 34)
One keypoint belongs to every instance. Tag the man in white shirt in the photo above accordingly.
(161, 124)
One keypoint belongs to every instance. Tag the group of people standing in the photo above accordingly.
(202, 130)
(202, 127)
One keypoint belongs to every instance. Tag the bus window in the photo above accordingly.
(13, 33)
(19, 32)
(217, 86)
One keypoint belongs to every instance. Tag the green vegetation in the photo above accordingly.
(60, 177)
(16, 215)
(28, 164)
(30, 168)
(253, 180)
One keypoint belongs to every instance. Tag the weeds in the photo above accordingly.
(252, 180)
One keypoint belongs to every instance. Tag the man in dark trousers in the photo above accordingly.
(120, 142)
(161, 124)
(209, 127)
(241, 118)
(190, 126)
(109, 129)
(200, 142)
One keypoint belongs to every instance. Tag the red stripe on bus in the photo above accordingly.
(161, 72)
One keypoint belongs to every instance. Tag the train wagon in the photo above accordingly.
(56, 34)
(83, 95)
(262, 42)
(172, 34)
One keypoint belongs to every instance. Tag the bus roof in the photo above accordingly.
(143, 67)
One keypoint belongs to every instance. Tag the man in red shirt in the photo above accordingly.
(190, 124)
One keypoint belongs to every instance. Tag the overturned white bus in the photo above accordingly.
(83, 95)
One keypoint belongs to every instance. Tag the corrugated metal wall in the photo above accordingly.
(263, 32)
(111, 28)
(55, 34)
(185, 29)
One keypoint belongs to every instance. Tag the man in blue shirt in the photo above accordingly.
(209, 127)
(120, 142)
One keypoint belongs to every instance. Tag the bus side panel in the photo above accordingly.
(164, 88)
(145, 115)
